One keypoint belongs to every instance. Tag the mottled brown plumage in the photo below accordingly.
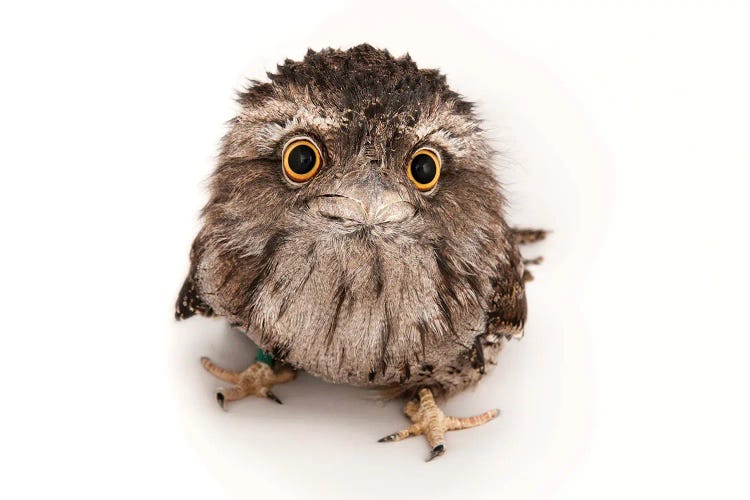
(356, 276)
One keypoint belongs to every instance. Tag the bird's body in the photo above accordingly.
(355, 228)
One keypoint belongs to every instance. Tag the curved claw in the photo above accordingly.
(389, 437)
(220, 399)
(270, 395)
(437, 451)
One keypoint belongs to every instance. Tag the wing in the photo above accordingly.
(506, 314)
(507, 310)
(189, 301)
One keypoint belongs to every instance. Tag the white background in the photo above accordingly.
(624, 129)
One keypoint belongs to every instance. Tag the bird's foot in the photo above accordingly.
(256, 380)
(430, 421)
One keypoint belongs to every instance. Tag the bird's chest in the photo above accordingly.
(366, 316)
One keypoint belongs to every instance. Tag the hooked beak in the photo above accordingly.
(384, 207)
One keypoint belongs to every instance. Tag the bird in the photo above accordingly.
(355, 230)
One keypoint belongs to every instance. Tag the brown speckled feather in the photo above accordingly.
(407, 289)
(189, 301)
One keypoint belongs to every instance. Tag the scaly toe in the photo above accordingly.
(429, 420)
(256, 380)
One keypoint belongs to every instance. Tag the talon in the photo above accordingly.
(437, 451)
(273, 397)
(220, 399)
(389, 437)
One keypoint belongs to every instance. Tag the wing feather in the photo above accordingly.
(189, 301)
(507, 310)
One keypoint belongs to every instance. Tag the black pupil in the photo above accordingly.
(423, 168)
(301, 159)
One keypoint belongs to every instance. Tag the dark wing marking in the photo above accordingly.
(506, 314)
(189, 301)
(477, 355)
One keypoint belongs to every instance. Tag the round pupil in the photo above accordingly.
(301, 159)
(423, 168)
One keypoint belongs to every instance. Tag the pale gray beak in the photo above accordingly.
(382, 207)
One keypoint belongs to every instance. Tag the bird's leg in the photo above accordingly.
(433, 423)
(256, 380)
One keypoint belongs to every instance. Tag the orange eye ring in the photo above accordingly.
(423, 169)
(300, 160)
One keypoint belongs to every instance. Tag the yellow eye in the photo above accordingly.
(301, 160)
(424, 169)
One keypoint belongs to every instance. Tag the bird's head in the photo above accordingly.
(355, 142)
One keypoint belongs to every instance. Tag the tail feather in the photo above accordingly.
(524, 236)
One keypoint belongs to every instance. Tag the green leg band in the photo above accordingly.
(263, 357)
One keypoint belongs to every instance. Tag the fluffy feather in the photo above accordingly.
(425, 302)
